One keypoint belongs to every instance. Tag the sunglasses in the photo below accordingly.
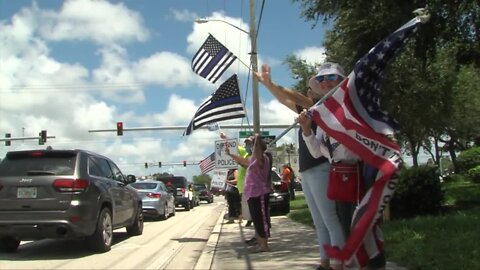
(329, 77)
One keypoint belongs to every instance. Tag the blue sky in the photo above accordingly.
(79, 65)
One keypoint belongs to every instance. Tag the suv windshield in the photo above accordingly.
(38, 163)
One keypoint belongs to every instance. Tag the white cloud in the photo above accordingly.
(39, 91)
(99, 21)
(275, 112)
(313, 55)
(183, 15)
(165, 68)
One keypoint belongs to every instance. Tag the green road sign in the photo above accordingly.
(245, 134)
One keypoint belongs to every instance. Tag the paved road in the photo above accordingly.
(175, 243)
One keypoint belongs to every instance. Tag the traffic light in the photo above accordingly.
(43, 135)
(119, 128)
(159, 164)
(8, 135)
(184, 163)
(146, 165)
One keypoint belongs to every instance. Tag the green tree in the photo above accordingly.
(301, 71)
(428, 82)
(202, 179)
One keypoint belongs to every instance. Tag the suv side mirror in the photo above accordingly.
(131, 179)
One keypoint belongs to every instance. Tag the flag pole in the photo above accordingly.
(327, 95)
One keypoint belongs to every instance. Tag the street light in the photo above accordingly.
(253, 60)
(206, 20)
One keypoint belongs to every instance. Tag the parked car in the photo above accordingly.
(280, 197)
(217, 191)
(180, 189)
(65, 194)
(158, 201)
(203, 192)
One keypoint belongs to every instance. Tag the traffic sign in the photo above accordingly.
(246, 134)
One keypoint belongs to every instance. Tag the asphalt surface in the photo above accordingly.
(292, 246)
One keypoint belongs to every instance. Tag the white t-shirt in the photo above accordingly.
(318, 146)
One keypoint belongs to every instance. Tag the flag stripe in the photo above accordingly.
(202, 63)
(216, 62)
(219, 69)
(219, 113)
(224, 104)
(226, 116)
(212, 112)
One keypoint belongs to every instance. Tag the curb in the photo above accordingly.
(208, 253)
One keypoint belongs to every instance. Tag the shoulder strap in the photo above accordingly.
(329, 145)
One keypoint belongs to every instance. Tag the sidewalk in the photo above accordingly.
(292, 246)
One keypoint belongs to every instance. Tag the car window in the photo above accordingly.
(99, 167)
(117, 174)
(144, 185)
(40, 164)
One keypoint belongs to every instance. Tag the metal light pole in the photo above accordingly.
(253, 60)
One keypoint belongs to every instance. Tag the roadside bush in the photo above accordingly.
(419, 192)
(468, 159)
(474, 174)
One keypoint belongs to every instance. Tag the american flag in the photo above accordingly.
(224, 104)
(212, 59)
(207, 164)
(352, 115)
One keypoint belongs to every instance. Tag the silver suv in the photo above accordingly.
(65, 194)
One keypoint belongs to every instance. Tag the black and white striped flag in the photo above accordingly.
(212, 59)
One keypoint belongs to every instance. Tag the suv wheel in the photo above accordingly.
(101, 239)
(137, 227)
(9, 244)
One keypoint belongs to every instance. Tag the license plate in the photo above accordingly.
(179, 193)
(27, 192)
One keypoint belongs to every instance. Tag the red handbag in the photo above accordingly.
(344, 183)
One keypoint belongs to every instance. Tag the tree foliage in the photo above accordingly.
(432, 88)
(202, 179)
(301, 71)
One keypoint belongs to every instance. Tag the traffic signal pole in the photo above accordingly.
(25, 138)
(265, 126)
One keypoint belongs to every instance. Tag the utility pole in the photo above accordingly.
(254, 62)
